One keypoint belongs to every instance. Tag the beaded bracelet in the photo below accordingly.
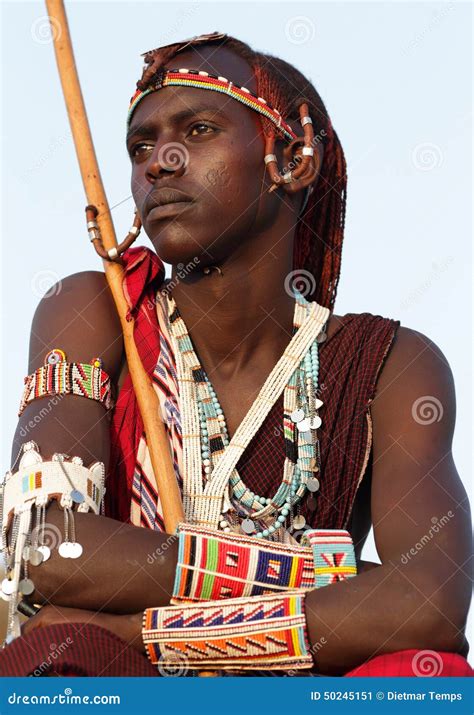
(333, 554)
(31, 540)
(59, 377)
(213, 565)
(246, 633)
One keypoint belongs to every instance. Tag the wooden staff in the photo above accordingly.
(148, 401)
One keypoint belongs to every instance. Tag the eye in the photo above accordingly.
(200, 128)
(135, 150)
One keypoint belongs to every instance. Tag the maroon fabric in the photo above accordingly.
(78, 649)
(73, 649)
(350, 362)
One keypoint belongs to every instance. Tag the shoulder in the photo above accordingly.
(77, 315)
(415, 389)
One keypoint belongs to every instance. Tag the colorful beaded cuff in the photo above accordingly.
(59, 377)
(184, 77)
(245, 633)
(213, 565)
(333, 554)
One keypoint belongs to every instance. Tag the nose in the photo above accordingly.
(167, 158)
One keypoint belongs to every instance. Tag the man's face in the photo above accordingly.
(210, 148)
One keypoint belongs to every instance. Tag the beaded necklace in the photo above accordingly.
(213, 492)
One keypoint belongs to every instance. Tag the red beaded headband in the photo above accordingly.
(203, 80)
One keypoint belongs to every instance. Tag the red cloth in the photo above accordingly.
(78, 649)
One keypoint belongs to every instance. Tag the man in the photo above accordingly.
(384, 466)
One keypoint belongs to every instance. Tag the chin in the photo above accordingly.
(175, 246)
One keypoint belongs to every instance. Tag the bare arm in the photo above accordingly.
(121, 568)
(419, 596)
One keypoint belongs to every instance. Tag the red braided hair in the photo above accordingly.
(320, 228)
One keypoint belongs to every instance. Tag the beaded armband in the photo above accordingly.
(333, 554)
(31, 540)
(245, 633)
(213, 565)
(59, 377)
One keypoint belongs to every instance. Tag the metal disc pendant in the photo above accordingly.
(64, 549)
(36, 556)
(297, 415)
(75, 550)
(45, 552)
(315, 422)
(26, 553)
(303, 425)
(313, 484)
(299, 522)
(247, 526)
(321, 337)
(7, 586)
(77, 496)
(319, 403)
(26, 586)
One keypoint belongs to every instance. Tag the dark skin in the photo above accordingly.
(240, 323)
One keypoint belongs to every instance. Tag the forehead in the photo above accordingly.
(215, 60)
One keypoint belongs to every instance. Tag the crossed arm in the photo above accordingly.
(417, 598)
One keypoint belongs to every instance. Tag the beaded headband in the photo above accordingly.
(203, 80)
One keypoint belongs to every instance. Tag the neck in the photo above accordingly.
(243, 317)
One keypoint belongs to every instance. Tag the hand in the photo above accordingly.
(127, 627)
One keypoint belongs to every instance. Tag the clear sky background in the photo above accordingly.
(396, 79)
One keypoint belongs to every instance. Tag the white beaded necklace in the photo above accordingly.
(205, 501)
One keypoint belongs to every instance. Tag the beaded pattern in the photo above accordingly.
(213, 566)
(212, 487)
(203, 80)
(58, 377)
(244, 633)
(333, 553)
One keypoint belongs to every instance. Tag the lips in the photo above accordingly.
(162, 197)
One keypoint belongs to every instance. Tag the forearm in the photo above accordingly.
(123, 568)
(385, 609)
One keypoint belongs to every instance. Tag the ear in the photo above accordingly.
(291, 153)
